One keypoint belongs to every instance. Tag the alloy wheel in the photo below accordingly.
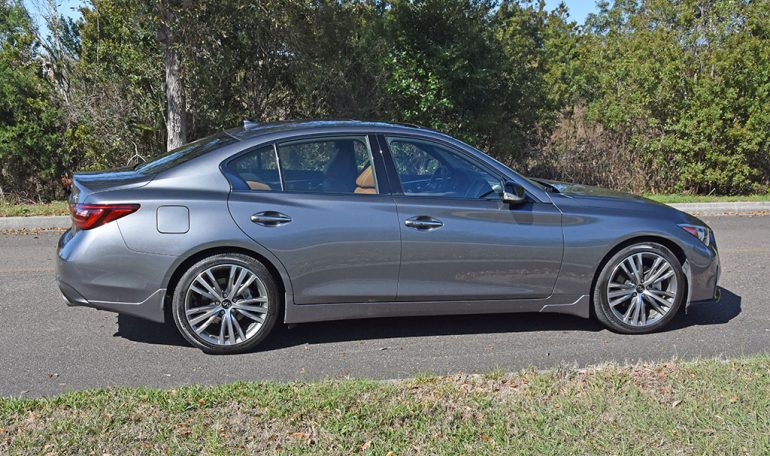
(226, 304)
(642, 289)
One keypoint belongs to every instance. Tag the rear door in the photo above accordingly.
(459, 240)
(315, 203)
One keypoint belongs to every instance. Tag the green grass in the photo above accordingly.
(711, 407)
(27, 210)
(684, 198)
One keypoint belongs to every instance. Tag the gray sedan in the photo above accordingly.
(309, 221)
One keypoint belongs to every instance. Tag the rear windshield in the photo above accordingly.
(185, 153)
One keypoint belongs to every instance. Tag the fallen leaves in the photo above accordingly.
(308, 438)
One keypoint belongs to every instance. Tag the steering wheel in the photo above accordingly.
(434, 185)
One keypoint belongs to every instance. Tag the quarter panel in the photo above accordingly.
(209, 220)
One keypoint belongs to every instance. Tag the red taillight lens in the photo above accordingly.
(87, 216)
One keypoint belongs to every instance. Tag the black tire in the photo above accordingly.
(601, 304)
(252, 265)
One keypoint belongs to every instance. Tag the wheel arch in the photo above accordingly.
(184, 262)
(675, 248)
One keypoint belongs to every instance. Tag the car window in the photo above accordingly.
(259, 169)
(328, 165)
(428, 169)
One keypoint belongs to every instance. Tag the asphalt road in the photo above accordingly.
(48, 348)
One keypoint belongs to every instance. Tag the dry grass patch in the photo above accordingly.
(671, 408)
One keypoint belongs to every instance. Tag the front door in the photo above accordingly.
(459, 241)
(315, 204)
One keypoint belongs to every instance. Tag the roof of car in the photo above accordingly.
(251, 129)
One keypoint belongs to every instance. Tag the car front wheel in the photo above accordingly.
(226, 303)
(640, 289)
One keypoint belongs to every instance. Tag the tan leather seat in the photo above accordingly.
(365, 182)
(254, 185)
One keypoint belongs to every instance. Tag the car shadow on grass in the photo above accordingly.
(700, 314)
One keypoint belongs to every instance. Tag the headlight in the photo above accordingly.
(703, 233)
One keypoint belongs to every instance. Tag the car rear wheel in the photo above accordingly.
(640, 289)
(226, 303)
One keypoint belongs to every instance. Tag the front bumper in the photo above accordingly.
(703, 271)
(96, 269)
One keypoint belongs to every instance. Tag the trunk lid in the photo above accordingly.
(88, 183)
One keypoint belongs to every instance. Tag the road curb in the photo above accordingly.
(738, 207)
(29, 223)
(60, 222)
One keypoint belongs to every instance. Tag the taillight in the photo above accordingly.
(87, 216)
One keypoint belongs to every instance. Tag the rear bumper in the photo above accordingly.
(149, 309)
(96, 269)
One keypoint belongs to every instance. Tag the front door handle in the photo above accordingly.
(423, 222)
(270, 218)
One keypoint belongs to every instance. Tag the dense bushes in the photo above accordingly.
(654, 95)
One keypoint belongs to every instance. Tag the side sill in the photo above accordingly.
(580, 308)
(567, 304)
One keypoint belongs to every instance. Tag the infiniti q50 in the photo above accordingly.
(326, 220)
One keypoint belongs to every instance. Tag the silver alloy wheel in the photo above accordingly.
(226, 304)
(642, 289)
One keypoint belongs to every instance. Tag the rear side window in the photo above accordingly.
(328, 165)
(319, 165)
(259, 169)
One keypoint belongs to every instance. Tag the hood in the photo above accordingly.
(588, 191)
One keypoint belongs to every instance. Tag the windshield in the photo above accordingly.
(541, 185)
(184, 153)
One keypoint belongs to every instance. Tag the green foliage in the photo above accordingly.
(653, 95)
(117, 91)
(29, 123)
(686, 83)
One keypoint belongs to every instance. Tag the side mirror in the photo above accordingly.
(513, 193)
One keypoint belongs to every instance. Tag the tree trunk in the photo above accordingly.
(176, 107)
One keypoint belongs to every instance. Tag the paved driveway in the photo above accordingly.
(48, 348)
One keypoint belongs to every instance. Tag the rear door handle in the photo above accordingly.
(270, 218)
(423, 222)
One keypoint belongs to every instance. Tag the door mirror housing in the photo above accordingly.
(513, 193)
